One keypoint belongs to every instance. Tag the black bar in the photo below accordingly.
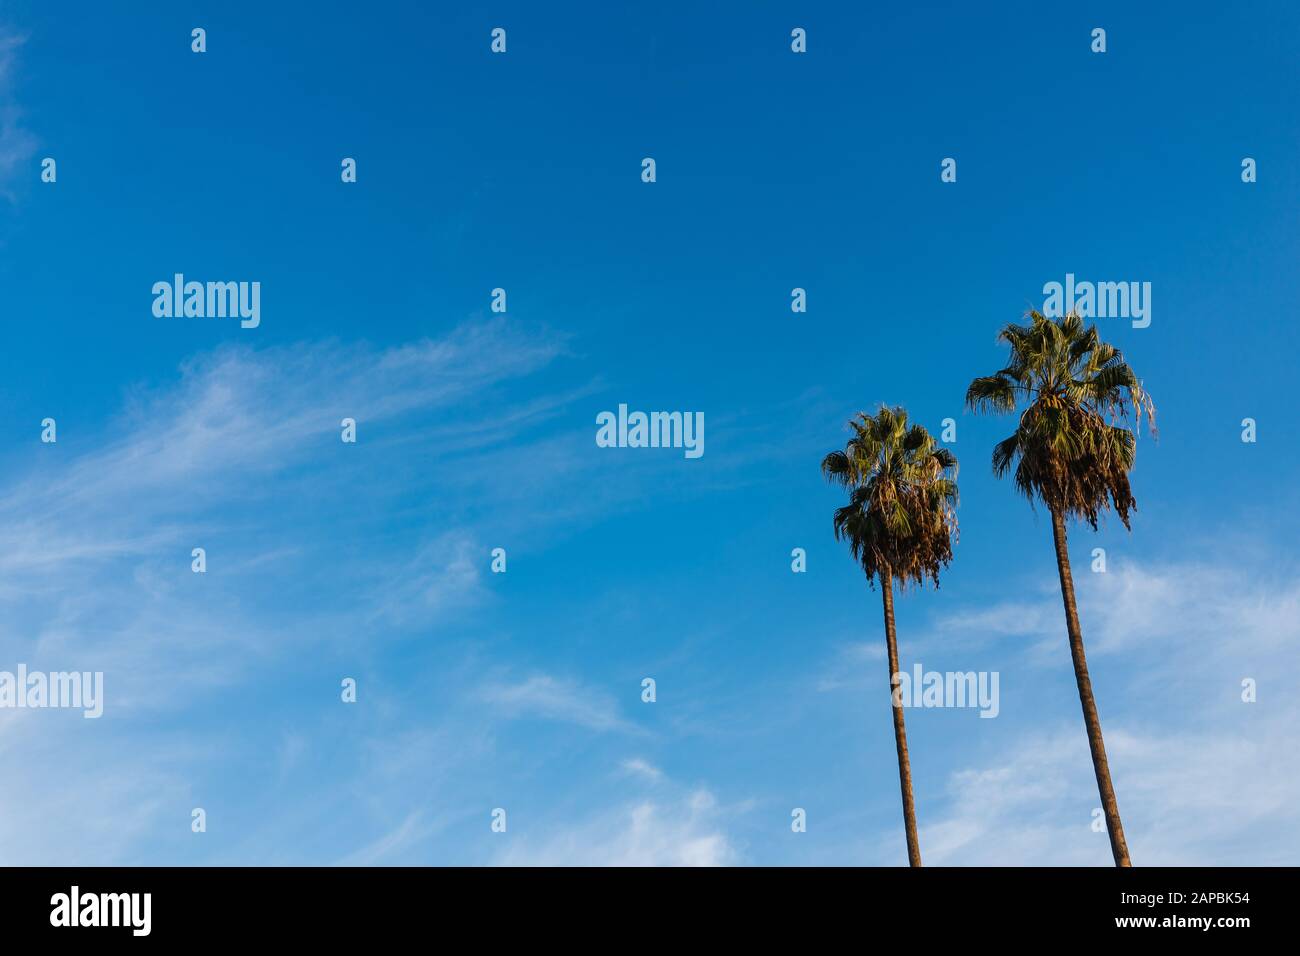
(635, 908)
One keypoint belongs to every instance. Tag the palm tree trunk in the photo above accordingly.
(1109, 805)
(900, 731)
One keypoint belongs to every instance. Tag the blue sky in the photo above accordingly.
(523, 690)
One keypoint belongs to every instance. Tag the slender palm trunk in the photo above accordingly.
(900, 731)
(1109, 805)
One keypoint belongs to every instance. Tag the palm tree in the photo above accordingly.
(1072, 450)
(900, 523)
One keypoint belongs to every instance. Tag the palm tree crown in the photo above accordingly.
(1072, 448)
(901, 517)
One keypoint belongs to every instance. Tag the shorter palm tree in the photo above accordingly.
(900, 524)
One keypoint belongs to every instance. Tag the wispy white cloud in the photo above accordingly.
(239, 416)
(1219, 798)
(542, 695)
(638, 767)
(69, 799)
(396, 843)
(1237, 603)
(445, 574)
(17, 144)
(683, 831)
(853, 664)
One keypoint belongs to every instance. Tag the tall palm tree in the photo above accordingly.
(1072, 450)
(900, 523)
